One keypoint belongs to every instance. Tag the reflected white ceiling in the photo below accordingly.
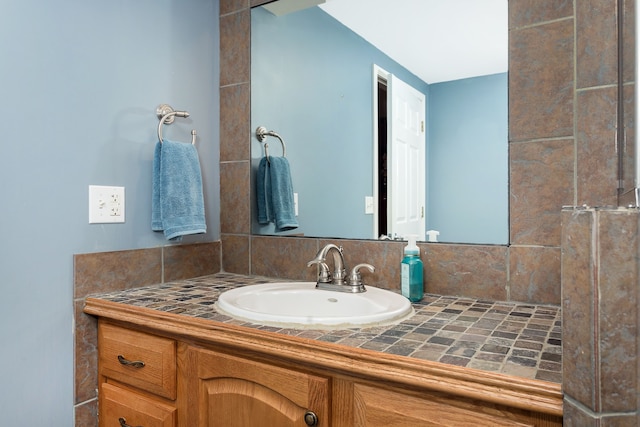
(437, 40)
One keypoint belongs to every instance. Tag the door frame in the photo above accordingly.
(378, 74)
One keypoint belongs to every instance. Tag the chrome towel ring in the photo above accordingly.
(262, 133)
(166, 114)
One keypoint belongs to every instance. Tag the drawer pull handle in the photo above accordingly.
(311, 419)
(123, 422)
(134, 363)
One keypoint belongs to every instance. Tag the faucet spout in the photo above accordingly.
(339, 273)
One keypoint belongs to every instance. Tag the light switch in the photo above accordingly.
(106, 204)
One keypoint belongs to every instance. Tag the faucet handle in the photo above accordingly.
(324, 276)
(355, 278)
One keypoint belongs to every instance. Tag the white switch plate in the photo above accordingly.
(368, 205)
(106, 204)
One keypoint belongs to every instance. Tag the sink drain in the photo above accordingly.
(332, 299)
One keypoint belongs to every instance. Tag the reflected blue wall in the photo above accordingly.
(325, 121)
(467, 160)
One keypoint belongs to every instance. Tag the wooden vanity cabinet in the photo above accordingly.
(198, 373)
(228, 391)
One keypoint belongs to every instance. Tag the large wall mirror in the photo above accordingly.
(331, 92)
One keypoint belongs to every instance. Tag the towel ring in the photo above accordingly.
(262, 133)
(166, 114)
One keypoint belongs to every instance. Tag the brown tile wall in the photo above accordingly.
(596, 160)
(600, 294)
(113, 271)
(542, 145)
(629, 95)
(562, 121)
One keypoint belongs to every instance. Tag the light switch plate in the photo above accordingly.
(368, 205)
(106, 204)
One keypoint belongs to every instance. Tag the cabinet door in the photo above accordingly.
(375, 407)
(229, 391)
(118, 406)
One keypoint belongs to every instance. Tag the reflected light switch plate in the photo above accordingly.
(368, 205)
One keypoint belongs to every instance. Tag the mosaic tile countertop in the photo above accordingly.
(516, 339)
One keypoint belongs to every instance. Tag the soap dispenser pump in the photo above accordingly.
(412, 284)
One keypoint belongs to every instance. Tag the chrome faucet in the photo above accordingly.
(336, 281)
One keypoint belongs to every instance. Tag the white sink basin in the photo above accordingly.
(301, 305)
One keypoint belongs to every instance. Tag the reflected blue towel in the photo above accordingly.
(262, 182)
(177, 206)
(275, 193)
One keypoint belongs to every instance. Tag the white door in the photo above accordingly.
(406, 160)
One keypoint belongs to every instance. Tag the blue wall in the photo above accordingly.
(312, 81)
(79, 84)
(468, 121)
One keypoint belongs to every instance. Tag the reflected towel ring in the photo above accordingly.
(166, 114)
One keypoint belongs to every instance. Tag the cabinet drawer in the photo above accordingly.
(118, 406)
(138, 359)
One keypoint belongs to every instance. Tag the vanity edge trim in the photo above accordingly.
(532, 395)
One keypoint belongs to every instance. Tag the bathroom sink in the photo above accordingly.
(301, 305)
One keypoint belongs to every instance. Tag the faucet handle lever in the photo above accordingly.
(324, 276)
(355, 277)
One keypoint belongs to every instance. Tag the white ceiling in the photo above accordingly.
(437, 40)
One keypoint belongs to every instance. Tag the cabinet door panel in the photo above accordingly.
(229, 391)
(384, 408)
(239, 403)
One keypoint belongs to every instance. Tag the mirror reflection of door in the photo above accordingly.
(400, 145)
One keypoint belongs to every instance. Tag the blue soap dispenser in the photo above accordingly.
(412, 285)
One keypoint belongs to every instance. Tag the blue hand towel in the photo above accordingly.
(281, 188)
(177, 201)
